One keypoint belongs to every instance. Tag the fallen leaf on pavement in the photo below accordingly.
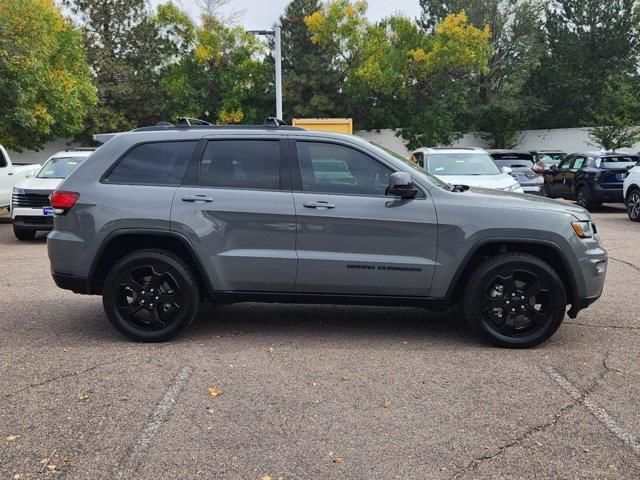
(265, 477)
(11, 438)
(214, 391)
(83, 398)
(270, 350)
(385, 404)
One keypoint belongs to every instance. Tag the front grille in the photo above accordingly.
(30, 200)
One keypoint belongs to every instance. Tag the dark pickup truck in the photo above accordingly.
(590, 178)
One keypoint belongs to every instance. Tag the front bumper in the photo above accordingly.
(581, 303)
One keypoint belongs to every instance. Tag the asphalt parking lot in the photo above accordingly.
(315, 392)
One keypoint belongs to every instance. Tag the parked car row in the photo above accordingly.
(588, 178)
(31, 209)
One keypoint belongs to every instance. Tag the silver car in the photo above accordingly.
(522, 165)
(158, 219)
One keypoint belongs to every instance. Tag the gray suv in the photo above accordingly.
(161, 218)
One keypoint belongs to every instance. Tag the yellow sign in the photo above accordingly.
(335, 125)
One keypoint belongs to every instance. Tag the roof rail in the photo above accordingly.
(274, 122)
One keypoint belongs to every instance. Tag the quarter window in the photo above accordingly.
(159, 163)
(241, 164)
(331, 168)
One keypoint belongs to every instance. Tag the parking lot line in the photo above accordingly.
(598, 412)
(134, 454)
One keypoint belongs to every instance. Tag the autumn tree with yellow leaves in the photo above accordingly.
(45, 85)
(398, 76)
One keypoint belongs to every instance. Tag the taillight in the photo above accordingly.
(62, 201)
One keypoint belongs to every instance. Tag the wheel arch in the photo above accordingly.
(631, 188)
(123, 242)
(546, 250)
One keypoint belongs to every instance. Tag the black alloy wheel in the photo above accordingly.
(150, 295)
(515, 300)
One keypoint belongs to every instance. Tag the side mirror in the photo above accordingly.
(400, 185)
(507, 170)
(553, 168)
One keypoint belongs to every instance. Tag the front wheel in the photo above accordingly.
(633, 205)
(24, 233)
(515, 300)
(151, 296)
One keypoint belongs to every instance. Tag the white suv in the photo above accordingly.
(31, 209)
(472, 167)
(631, 192)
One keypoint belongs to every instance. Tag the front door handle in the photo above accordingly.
(319, 205)
(197, 198)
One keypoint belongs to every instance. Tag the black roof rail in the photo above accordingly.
(195, 124)
(80, 149)
(274, 122)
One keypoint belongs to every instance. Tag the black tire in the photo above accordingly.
(633, 205)
(24, 233)
(584, 198)
(516, 282)
(546, 191)
(144, 277)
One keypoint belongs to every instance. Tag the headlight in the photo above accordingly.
(583, 229)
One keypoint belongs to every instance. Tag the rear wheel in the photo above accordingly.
(584, 198)
(24, 233)
(151, 295)
(515, 300)
(633, 205)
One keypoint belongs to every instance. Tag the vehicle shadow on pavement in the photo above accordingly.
(353, 322)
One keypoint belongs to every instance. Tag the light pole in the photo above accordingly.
(276, 32)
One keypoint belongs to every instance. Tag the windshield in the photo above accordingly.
(435, 180)
(462, 164)
(620, 162)
(59, 167)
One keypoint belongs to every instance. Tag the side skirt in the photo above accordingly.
(229, 297)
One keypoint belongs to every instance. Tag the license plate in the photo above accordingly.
(48, 211)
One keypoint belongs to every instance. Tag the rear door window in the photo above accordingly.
(253, 164)
(618, 162)
(157, 163)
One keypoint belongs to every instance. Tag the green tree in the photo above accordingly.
(588, 43)
(128, 54)
(221, 75)
(616, 117)
(398, 76)
(501, 107)
(312, 87)
(45, 85)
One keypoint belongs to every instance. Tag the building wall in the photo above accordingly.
(566, 139)
(29, 156)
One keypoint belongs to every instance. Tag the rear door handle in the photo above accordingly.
(197, 198)
(319, 205)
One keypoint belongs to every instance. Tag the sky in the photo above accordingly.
(261, 14)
